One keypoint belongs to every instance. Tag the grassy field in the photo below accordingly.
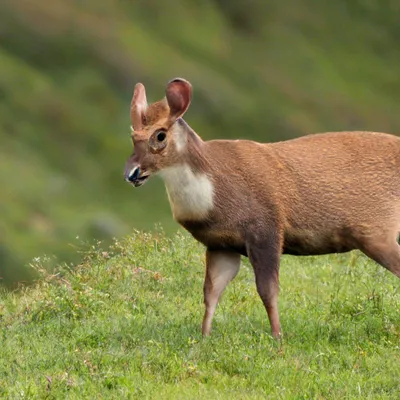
(125, 324)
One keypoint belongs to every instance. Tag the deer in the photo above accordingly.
(317, 194)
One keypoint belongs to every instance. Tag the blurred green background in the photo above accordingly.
(268, 70)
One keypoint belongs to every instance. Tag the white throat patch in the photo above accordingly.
(190, 195)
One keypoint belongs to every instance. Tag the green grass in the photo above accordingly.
(125, 323)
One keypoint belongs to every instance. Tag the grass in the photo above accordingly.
(125, 324)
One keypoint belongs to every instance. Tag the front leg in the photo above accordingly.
(221, 268)
(264, 256)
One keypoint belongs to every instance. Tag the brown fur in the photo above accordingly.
(319, 194)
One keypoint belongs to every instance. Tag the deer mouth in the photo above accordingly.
(140, 180)
(136, 177)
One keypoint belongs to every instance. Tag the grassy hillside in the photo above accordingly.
(125, 323)
(262, 70)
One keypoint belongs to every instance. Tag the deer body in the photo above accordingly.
(319, 194)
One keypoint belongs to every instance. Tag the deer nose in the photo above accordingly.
(133, 174)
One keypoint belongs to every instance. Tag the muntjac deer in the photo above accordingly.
(318, 194)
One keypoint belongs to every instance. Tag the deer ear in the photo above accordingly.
(138, 106)
(179, 96)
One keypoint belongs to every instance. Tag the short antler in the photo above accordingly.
(138, 107)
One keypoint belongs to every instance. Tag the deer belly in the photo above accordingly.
(308, 243)
(215, 239)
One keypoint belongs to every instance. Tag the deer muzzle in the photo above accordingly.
(136, 177)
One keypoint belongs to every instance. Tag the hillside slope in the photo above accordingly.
(263, 70)
(125, 324)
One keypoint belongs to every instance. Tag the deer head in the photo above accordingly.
(159, 135)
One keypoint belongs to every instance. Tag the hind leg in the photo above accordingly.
(385, 250)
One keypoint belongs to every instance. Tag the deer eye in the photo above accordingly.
(161, 136)
(158, 141)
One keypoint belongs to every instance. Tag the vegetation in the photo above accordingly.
(262, 70)
(125, 323)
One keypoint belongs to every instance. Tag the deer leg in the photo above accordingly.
(265, 258)
(385, 252)
(221, 268)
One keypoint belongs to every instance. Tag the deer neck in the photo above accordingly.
(189, 187)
